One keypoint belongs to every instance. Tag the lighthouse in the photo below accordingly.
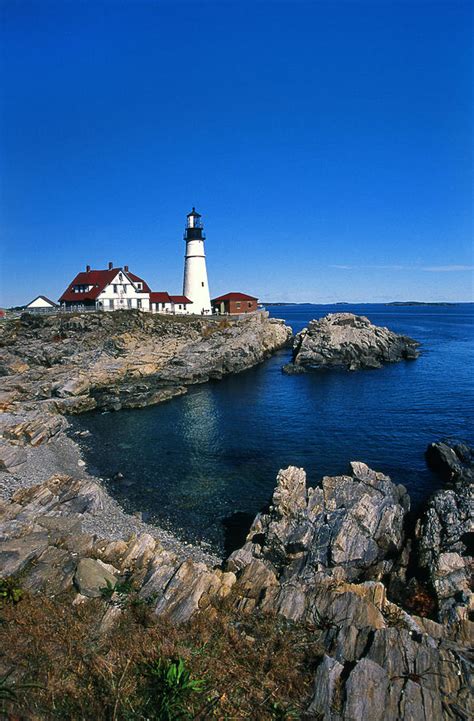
(195, 285)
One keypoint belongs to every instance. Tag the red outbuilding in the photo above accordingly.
(234, 303)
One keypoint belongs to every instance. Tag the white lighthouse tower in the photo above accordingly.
(195, 285)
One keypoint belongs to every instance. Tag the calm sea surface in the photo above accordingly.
(205, 463)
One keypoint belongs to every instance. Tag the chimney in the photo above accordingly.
(125, 267)
(111, 265)
(88, 269)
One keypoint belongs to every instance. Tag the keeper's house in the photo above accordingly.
(119, 289)
(234, 303)
(111, 289)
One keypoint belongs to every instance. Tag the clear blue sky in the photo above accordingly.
(327, 144)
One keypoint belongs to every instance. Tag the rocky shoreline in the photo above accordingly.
(390, 610)
(335, 559)
(52, 366)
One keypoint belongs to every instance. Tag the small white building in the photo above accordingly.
(41, 304)
(160, 302)
(181, 304)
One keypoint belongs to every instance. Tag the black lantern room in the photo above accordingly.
(194, 226)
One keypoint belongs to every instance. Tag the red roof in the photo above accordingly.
(160, 297)
(146, 288)
(180, 299)
(99, 279)
(234, 296)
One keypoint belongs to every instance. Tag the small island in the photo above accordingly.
(419, 302)
(348, 341)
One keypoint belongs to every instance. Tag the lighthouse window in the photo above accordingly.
(202, 285)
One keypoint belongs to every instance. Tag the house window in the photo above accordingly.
(180, 307)
(237, 305)
(115, 288)
(139, 286)
(139, 303)
(249, 304)
(125, 288)
(111, 304)
(129, 302)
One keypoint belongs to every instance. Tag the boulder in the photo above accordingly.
(92, 575)
(11, 457)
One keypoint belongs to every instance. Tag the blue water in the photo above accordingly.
(213, 454)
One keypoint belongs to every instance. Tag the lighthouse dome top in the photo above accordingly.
(194, 212)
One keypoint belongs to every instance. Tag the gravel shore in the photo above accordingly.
(62, 455)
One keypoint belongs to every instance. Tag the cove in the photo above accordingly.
(203, 464)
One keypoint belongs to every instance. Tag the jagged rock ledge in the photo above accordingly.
(348, 341)
(323, 557)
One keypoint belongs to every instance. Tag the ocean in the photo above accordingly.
(202, 465)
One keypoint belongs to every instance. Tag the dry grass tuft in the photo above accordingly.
(255, 667)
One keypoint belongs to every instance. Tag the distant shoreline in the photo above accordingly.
(392, 303)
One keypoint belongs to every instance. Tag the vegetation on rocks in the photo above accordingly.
(222, 665)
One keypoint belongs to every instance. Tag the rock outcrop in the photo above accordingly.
(318, 557)
(348, 341)
(446, 531)
(351, 528)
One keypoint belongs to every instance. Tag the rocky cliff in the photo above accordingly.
(348, 341)
(55, 365)
(321, 558)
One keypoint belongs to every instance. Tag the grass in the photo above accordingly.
(221, 665)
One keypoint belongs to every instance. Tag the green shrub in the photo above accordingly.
(121, 588)
(169, 688)
(10, 591)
